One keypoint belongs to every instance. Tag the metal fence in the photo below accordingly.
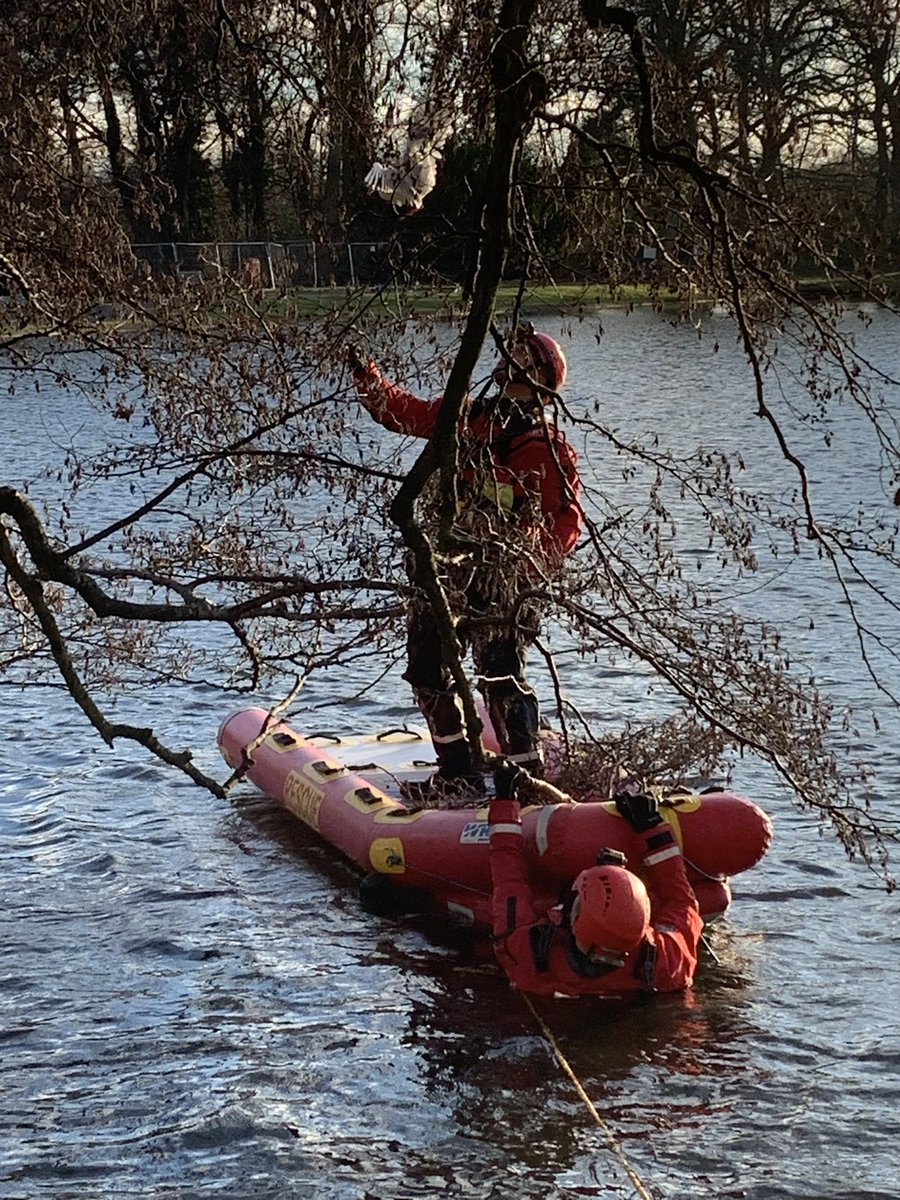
(270, 264)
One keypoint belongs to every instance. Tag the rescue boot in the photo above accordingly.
(516, 718)
(443, 715)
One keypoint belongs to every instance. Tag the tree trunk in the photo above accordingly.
(519, 90)
(348, 28)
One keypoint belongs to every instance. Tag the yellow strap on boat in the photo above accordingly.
(670, 816)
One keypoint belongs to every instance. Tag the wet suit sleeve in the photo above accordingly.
(392, 406)
(548, 459)
(675, 920)
(560, 490)
(512, 912)
(511, 900)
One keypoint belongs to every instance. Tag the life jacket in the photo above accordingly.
(499, 493)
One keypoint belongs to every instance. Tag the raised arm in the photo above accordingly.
(511, 895)
(390, 405)
(675, 918)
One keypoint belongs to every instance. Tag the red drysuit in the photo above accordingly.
(540, 956)
(535, 461)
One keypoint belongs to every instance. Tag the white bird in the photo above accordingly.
(408, 182)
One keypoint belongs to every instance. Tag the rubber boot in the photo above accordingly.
(443, 716)
(516, 718)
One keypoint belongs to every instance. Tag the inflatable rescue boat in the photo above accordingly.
(340, 787)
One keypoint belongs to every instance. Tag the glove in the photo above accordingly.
(355, 360)
(640, 811)
(508, 778)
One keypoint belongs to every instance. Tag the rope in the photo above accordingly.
(604, 1127)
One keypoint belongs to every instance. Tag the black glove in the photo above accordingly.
(355, 360)
(640, 811)
(508, 778)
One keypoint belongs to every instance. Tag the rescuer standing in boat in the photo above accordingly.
(605, 938)
(518, 518)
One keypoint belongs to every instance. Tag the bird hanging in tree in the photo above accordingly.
(406, 184)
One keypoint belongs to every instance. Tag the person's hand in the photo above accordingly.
(640, 811)
(355, 360)
(508, 778)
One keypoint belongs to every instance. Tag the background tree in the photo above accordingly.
(345, 31)
(869, 47)
(162, 66)
(778, 58)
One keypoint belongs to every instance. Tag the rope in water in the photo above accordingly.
(611, 1140)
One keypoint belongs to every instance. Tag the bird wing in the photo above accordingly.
(410, 181)
(381, 179)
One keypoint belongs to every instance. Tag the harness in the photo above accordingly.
(645, 966)
(502, 496)
(540, 937)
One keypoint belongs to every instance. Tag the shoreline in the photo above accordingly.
(578, 301)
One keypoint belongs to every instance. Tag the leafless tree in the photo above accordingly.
(870, 53)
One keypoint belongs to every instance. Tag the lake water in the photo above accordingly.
(194, 1005)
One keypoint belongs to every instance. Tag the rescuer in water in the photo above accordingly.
(518, 518)
(606, 938)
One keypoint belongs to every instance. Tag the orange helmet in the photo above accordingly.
(547, 353)
(610, 912)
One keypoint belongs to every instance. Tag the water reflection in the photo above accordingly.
(650, 1066)
(192, 1002)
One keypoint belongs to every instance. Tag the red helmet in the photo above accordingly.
(548, 354)
(610, 913)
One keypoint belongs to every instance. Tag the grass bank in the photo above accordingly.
(576, 299)
(570, 299)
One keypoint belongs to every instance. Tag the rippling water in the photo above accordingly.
(194, 1005)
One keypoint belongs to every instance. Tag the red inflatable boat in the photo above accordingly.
(339, 788)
